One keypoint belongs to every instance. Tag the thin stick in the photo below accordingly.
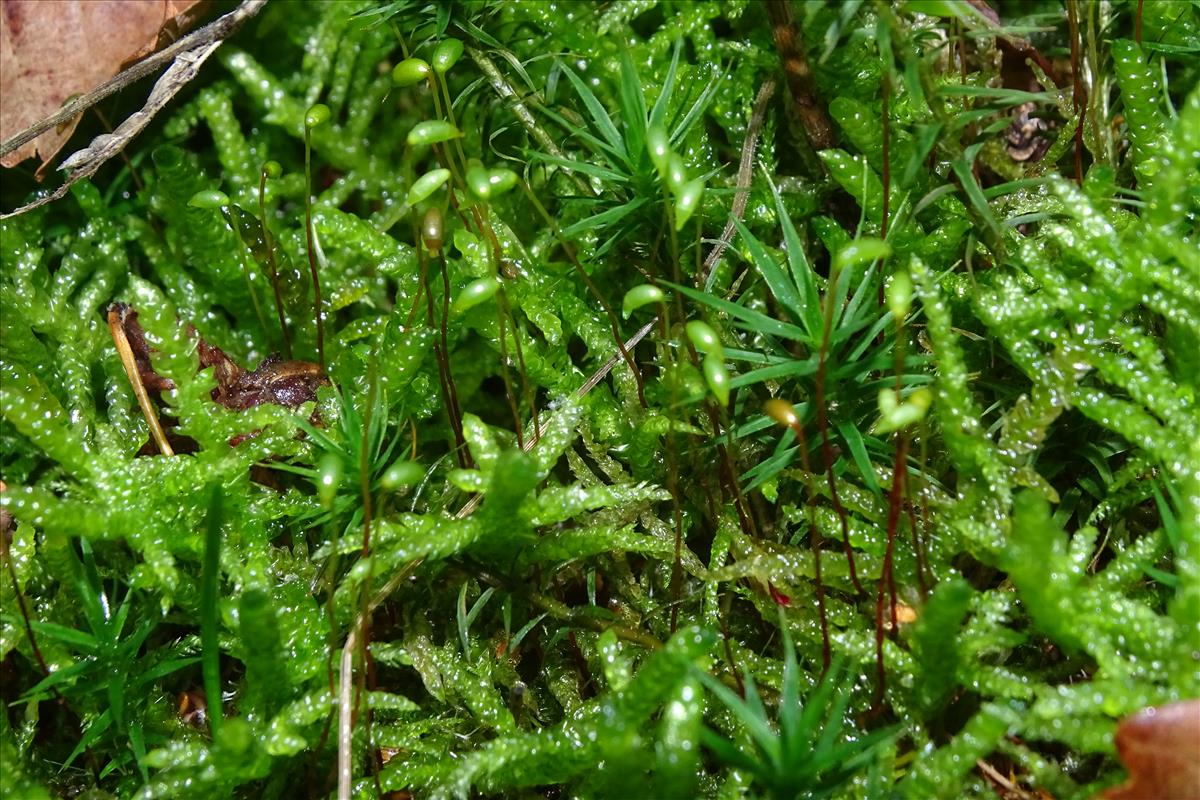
(742, 196)
(139, 389)
(215, 31)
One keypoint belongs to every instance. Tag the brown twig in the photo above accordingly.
(117, 329)
(818, 128)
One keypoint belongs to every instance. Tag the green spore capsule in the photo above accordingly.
(402, 473)
(410, 72)
(899, 295)
(427, 184)
(676, 173)
(272, 170)
(475, 293)
(209, 198)
(639, 296)
(486, 183)
(432, 230)
(446, 55)
(329, 478)
(704, 337)
(893, 416)
(861, 251)
(659, 148)
(432, 131)
(717, 376)
(316, 115)
(687, 200)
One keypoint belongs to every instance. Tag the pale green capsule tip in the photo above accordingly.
(272, 169)
(639, 296)
(485, 183)
(209, 198)
(410, 71)
(717, 377)
(703, 337)
(893, 415)
(432, 131)
(446, 55)
(659, 148)
(316, 115)
(475, 293)
(687, 201)
(427, 184)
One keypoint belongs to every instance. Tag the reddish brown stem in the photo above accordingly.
(887, 584)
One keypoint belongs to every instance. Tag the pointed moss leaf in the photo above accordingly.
(410, 71)
(475, 293)
(433, 131)
(482, 442)
(639, 296)
(780, 284)
(427, 184)
(717, 377)
(687, 200)
(446, 55)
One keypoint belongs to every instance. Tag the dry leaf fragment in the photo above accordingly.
(1161, 749)
(51, 51)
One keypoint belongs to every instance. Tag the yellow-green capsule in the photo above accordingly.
(402, 473)
(703, 337)
(485, 183)
(717, 377)
(899, 295)
(781, 411)
(893, 416)
(410, 71)
(431, 230)
(639, 296)
(316, 115)
(475, 293)
(209, 198)
(329, 478)
(272, 170)
(446, 55)
(687, 200)
(432, 131)
(427, 184)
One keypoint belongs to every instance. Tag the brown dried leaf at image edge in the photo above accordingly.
(1161, 749)
(51, 51)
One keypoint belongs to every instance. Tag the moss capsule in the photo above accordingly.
(446, 55)
(410, 71)
(272, 169)
(402, 473)
(717, 377)
(687, 200)
(639, 296)
(431, 230)
(703, 337)
(432, 131)
(316, 115)
(475, 293)
(209, 198)
(427, 184)
(659, 148)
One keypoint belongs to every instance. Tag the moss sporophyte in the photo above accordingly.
(641, 399)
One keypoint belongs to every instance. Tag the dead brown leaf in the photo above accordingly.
(50, 51)
(1161, 749)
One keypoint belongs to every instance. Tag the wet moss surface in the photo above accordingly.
(712, 399)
